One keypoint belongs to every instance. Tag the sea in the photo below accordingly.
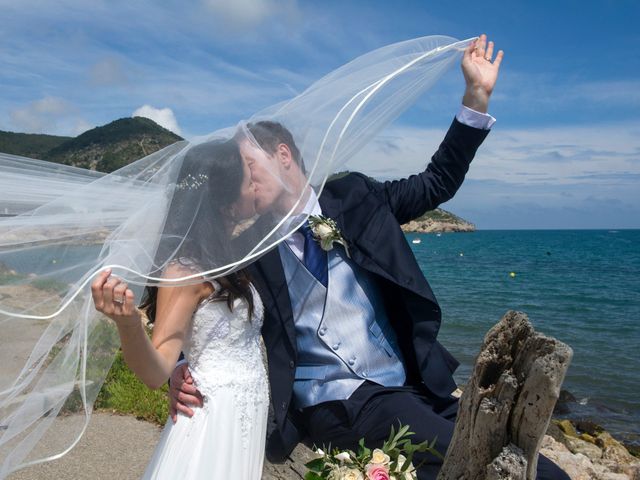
(579, 286)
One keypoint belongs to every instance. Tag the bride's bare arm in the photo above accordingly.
(152, 360)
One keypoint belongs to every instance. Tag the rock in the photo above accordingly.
(587, 426)
(292, 469)
(508, 401)
(614, 451)
(585, 464)
(613, 476)
(587, 438)
(567, 428)
(591, 451)
(563, 405)
(633, 449)
(438, 220)
(554, 431)
(578, 467)
(509, 465)
(617, 459)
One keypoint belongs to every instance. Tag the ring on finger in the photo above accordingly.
(118, 300)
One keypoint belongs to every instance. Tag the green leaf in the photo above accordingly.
(316, 464)
(402, 432)
(312, 476)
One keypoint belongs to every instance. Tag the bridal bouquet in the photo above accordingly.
(392, 461)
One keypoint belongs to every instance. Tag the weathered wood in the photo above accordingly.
(506, 407)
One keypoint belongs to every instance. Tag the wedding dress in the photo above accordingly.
(226, 437)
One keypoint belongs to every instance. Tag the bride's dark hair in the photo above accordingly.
(209, 183)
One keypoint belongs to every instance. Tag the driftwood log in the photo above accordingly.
(505, 409)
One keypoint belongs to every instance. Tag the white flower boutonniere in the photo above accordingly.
(326, 232)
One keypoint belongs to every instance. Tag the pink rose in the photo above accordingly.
(377, 472)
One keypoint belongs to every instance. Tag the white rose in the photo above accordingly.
(343, 457)
(379, 457)
(322, 230)
(345, 473)
(410, 472)
(319, 453)
(352, 474)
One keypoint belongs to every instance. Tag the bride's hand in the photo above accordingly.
(112, 297)
(480, 71)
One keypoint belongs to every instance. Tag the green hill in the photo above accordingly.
(105, 149)
(112, 146)
(31, 145)
(439, 220)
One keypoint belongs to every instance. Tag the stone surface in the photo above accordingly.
(511, 464)
(509, 399)
(567, 427)
(292, 469)
(591, 451)
(580, 467)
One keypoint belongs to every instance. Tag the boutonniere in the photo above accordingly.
(326, 232)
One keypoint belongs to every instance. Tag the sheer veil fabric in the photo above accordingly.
(60, 225)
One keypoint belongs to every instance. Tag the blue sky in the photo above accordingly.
(565, 152)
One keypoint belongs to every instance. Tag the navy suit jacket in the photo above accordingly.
(369, 215)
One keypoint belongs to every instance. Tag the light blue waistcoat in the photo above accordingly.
(343, 337)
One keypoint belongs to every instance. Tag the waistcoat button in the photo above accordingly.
(292, 364)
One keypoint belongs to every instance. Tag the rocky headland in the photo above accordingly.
(438, 221)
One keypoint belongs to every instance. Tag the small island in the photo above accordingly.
(438, 221)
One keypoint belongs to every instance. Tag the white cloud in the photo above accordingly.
(50, 115)
(162, 116)
(559, 153)
(572, 174)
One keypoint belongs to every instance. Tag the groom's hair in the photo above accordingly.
(270, 134)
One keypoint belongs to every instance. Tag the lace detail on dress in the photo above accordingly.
(223, 350)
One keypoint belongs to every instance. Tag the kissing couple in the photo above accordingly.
(350, 332)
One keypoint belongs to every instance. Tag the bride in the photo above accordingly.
(216, 323)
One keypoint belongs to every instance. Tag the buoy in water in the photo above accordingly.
(461, 254)
(512, 274)
(416, 240)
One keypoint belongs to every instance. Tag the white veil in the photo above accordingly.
(61, 225)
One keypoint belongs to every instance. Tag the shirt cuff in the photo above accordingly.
(181, 362)
(475, 119)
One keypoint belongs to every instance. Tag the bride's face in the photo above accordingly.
(268, 188)
(245, 206)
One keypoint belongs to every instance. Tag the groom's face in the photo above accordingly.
(266, 176)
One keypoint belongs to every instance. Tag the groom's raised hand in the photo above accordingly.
(182, 393)
(480, 71)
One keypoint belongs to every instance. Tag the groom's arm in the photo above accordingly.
(411, 197)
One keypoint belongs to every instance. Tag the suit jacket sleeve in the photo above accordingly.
(411, 197)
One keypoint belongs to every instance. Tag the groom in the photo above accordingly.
(351, 339)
